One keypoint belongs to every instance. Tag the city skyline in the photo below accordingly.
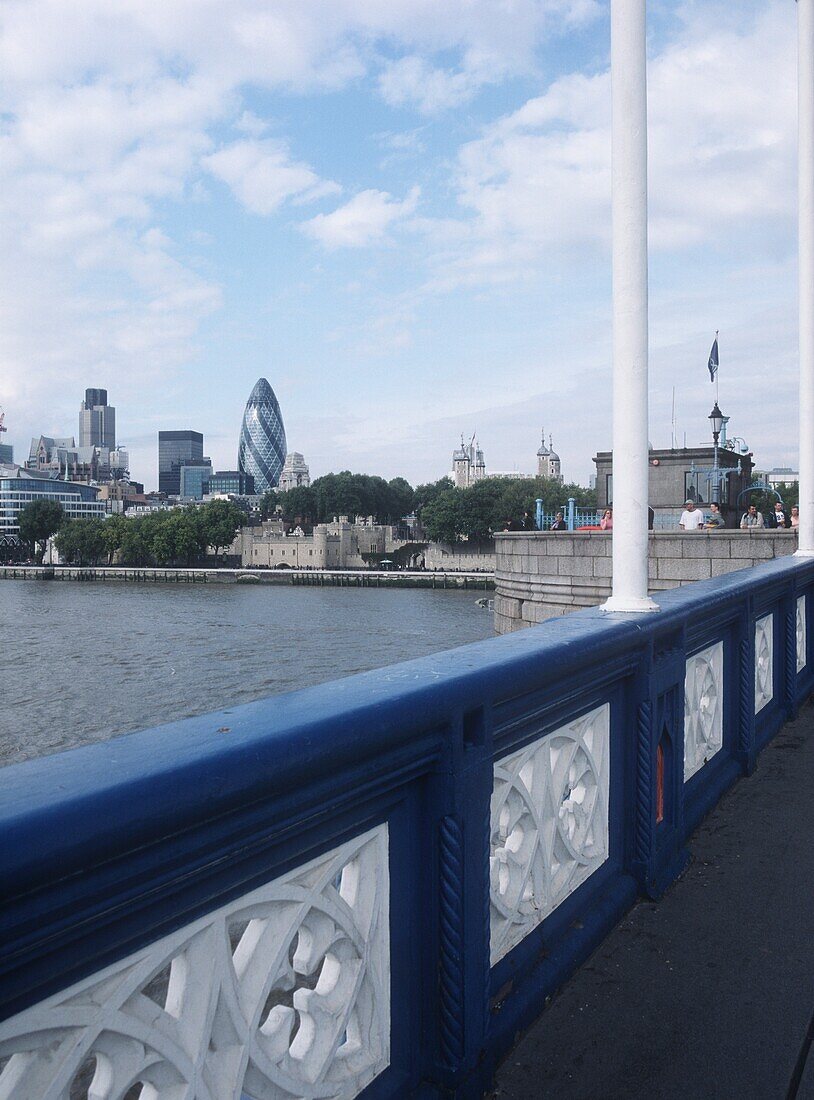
(402, 221)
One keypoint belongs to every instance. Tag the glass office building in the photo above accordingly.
(231, 481)
(176, 449)
(97, 421)
(19, 487)
(194, 479)
(262, 448)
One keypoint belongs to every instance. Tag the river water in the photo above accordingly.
(86, 662)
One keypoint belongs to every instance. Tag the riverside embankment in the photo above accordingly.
(336, 578)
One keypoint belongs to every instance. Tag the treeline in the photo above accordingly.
(343, 494)
(450, 515)
(447, 514)
(173, 537)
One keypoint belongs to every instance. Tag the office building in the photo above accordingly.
(19, 487)
(174, 450)
(231, 482)
(97, 421)
(262, 447)
(194, 479)
(6, 453)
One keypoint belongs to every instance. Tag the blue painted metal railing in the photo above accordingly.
(371, 885)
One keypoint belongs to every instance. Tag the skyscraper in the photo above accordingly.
(174, 449)
(97, 421)
(262, 448)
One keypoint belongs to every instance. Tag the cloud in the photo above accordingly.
(536, 184)
(262, 175)
(411, 81)
(362, 221)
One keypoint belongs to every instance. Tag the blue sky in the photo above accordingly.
(398, 211)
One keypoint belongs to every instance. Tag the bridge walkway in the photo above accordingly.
(707, 994)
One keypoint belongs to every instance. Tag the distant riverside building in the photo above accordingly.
(231, 483)
(60, 457)
(194, 478)
(782, 475)
(262, 447)
(175, 448)
(468, 464)
(295, 473)
(97, 421)
(6, 453)
(19, 487)
(683, 474)
(548, 461)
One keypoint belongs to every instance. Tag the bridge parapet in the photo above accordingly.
(370, 885)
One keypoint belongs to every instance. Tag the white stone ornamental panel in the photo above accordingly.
(703, 708)
(801, 633)
(549, 825)
(764, 661)
(284, 993)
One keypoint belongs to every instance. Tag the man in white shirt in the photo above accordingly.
(692, 518)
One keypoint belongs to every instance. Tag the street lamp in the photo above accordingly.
(717, 421)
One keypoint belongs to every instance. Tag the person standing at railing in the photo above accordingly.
(795, 518)
(606, 523)
(559, 523)
(692, 518)
(752, 520)
(714, 520)
(779, 517)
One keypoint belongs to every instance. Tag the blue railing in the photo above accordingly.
(371, 885)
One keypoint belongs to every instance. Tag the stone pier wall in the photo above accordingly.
(541, 574)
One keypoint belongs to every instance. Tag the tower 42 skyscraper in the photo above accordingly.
(262, 448)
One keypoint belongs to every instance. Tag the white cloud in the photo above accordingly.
(262, 175)
(363, 220)
(411, 81)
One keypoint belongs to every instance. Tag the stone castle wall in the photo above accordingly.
(541, 574)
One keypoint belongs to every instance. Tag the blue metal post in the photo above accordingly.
(538, 513)
(572, 510)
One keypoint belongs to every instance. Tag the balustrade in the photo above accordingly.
(369, 886)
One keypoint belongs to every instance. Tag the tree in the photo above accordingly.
(220, 521)
(299, 505)
(441, 517)
(401, 499)
(38, 521)
(80, 541)
(268, 503)
(113, 531)
(426, 494)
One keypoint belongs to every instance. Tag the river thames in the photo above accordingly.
(87, 662)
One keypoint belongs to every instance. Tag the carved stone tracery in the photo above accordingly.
(283, 993)
(549, 824)
(764, 662)
(703, 708)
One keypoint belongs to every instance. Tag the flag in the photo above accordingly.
(712, 365)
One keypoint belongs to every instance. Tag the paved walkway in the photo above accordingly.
(709, 993)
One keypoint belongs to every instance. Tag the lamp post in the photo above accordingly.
(805, 267)
(717, 421)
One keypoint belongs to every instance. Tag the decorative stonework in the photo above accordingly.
(703, 708)
(764, 662)
(283, 993)
(549, 824)
(801, 633)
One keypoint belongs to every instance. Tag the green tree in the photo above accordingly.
(442, 517)
(112, 534)
(220, 521)
(80, 541)
(426, 494)
(401, 499)
(299, 505)
(38, 521)
(268, 503)
(137, 540)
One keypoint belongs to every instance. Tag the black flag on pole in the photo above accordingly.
(713, 359)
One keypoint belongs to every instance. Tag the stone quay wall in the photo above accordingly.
(542, 574)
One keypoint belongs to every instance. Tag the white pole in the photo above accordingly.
(629, 174)
(805, 230)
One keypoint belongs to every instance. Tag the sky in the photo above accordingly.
(398, 212)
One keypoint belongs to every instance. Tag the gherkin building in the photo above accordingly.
(262, 448)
